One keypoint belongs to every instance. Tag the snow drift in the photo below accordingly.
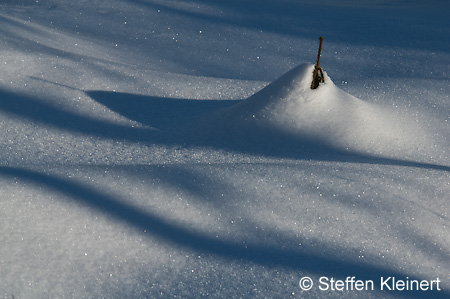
(290, 112)
(101, 198)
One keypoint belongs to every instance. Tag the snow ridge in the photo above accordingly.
(289, 111)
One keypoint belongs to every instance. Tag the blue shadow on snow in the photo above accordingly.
(174, 122)
(181, 237)
(177, 121)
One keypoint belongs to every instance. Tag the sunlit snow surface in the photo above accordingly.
(174, 148)
(325, 117)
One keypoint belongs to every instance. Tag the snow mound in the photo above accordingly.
(289, 111)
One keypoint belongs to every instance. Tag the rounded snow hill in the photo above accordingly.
(287, 114)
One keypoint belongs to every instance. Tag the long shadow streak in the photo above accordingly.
(174, 116)
(182, 237)
(38, 111)
(169, 122)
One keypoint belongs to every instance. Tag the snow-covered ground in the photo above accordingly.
(155, 148)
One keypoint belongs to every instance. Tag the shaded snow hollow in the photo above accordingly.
(289, 111)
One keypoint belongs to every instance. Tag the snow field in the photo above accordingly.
(282, 211)
(148, 148)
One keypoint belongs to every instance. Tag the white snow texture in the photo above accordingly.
(159, 149)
